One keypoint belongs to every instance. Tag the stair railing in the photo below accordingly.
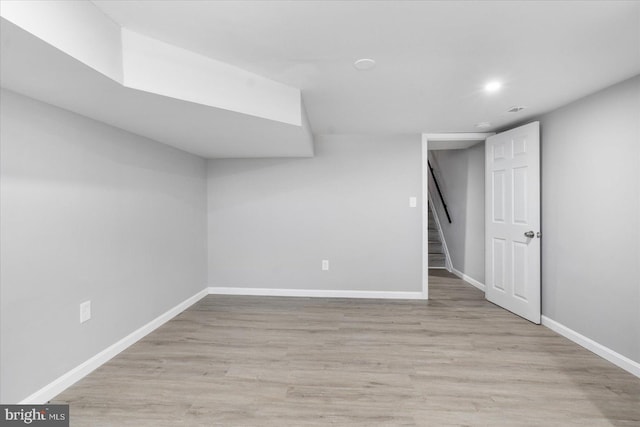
(435, 181)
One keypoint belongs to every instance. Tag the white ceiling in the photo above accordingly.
(35, 68)
(432, 57)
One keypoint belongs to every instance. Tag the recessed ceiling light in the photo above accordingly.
(483, 125)
(493, 86)
(364, 64)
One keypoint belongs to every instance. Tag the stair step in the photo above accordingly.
(435, 248)
(436, 260)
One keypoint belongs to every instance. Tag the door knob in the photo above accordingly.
(529, 234)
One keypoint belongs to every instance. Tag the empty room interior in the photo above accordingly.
(292, 213)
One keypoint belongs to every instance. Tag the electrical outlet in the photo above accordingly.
(325, 264)
(413, 202)
(85, 311)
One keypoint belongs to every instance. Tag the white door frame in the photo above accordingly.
(440, 137)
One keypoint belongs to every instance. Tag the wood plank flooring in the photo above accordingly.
(269, 361)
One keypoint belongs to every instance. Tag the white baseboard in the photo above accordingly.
(470, 280)
(597, 348)
(60, 384)
(217, 290)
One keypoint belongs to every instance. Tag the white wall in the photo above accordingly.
(158, 67)
(88, 212)
(272, 221)
(461, 178)
(591, 217)
(77, 28)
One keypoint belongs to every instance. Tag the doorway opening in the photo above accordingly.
(493, 213)
(451, 165)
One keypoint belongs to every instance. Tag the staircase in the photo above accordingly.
(436, 253)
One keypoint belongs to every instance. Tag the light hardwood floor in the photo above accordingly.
(271, 361)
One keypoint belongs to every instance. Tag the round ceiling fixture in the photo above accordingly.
(364, 64)
(483, 125)
(493, 86)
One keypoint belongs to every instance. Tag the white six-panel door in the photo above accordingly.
(512, 220)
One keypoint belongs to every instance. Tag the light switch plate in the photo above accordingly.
(413, 202)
